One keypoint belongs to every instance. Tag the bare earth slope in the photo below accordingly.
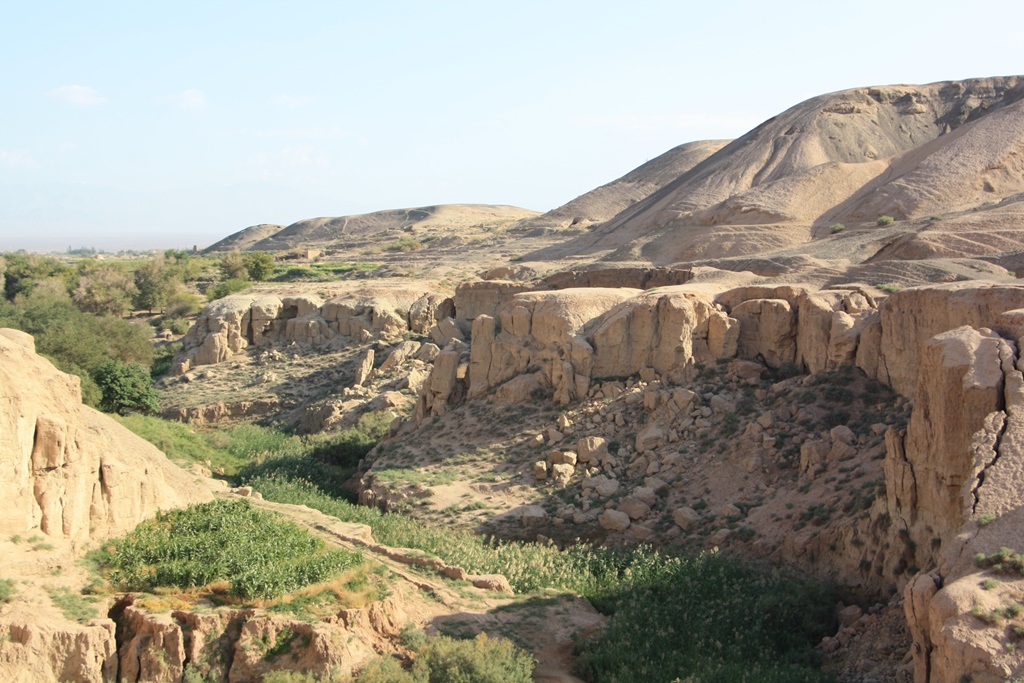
(855, 155)
(246, 238)
(606, 201)
(320, 232)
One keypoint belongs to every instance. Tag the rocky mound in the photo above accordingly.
(605, 202)
(72, 471)
(321, 232)
(846, 157)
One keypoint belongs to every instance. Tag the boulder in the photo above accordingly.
(591, 449)
(767, 331)
(562, 473)
(614, 520)
(534, 516)
(364, 368)
(540, 470)
(686, 518)
(634, 507)
(653, 435)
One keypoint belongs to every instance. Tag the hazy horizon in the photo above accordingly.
(132, 126)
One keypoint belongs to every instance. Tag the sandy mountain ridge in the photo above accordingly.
(945, 160)
(847, 157)
(321, 232)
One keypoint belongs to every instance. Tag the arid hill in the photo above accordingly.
(605, 202)
(850, 157)
(245, 239)
(322, 232)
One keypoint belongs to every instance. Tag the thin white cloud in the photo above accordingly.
(17, 159)
(78, 95)
(293, 101)
(308, 133)
(189, 100)
(305, 155)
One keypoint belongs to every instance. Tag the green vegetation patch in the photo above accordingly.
(260, 554)
(255, 451)
(711, 618)
(73, 605)
(671, 616)
(7, 590)
(441, 659)
(1006, 561)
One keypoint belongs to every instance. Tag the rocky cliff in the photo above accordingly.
(75, 476)
(950, 473)
(73, 472)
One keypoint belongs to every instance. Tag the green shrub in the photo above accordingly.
(885, 220)
(481, 660)
(259, 265)
(404, 244)
(228, 287)
(6, 590)
(76, 342)
(260, 554)
(125, 388)
(298, 273)
(232, 266)
(181, 305)
(837, 228)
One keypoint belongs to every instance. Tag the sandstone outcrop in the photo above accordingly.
(952, 350)
(72, 471)
(77, 476)
(230, 325)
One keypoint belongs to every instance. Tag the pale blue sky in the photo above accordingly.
(144, 124)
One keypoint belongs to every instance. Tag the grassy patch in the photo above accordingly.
(250, 451)
(672, 616)
(6, 590)
(258, 553)
(73, 605)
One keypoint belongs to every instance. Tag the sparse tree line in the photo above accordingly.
(76, 310)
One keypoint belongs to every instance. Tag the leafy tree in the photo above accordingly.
(125, 387)
(259, 265)
(156, 283)
(186, 267)
(104, 289)
(76, 342)
(233, 266)
(25, 270)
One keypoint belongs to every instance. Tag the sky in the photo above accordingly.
(158, 124)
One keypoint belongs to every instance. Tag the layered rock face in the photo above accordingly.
(952, 477)
(560, 340)
(73, 472)
(234, 323)
(77, 476)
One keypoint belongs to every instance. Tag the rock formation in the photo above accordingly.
(72, 471)
(76, 476)
(232, 324)
(903, 151)
(953, 350)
